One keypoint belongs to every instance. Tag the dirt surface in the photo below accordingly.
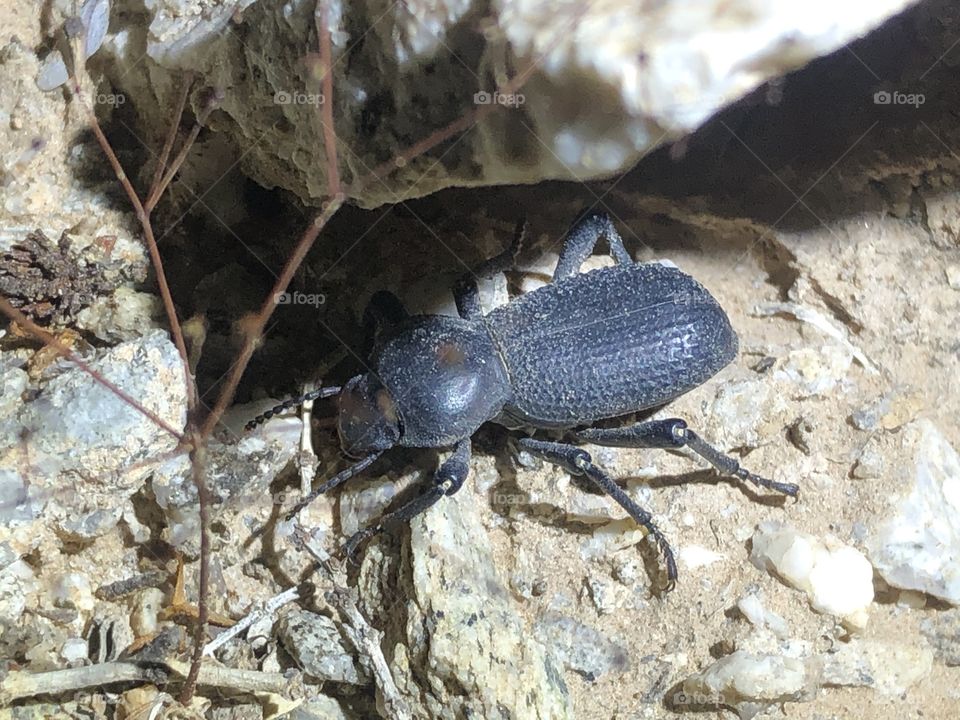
(808, 193)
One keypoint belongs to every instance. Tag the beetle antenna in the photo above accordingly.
(338, 479)
(291, 402)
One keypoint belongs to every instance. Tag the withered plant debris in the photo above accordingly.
(50, 283)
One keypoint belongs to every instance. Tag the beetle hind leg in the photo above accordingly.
(581, 240)
(674, 433)
(577, 461)
(384, 311)
(465, 291)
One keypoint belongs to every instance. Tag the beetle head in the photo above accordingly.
(367, 421)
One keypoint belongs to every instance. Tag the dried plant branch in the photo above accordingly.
(236, 679)
(22, 684)
(198, 465)
(153, 196)
(255, 615)
(361, 634)
(307, 457)
(143, 216)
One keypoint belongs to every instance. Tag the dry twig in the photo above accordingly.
(361, 634)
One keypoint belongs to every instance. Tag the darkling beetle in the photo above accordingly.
(587, 347)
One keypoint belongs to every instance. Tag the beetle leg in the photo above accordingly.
(447, 481)
(465, 291)
(578, 462)
(582, 238)
(674, 433)
(384, 310)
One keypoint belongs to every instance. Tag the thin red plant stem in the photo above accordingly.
(466, 120)
(253, 333)
(254, 329)
(153, 195)
(181, 156)
(197, 454)
(144, 217)
(50, 341)
(256, 325)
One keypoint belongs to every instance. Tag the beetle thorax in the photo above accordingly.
(445, 378)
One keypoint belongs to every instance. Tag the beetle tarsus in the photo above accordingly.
(578, 461)
(728, 466)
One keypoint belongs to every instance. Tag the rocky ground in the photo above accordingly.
(823, 220)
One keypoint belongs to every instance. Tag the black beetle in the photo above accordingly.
(587, 347)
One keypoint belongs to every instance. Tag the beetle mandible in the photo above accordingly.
(586, 347)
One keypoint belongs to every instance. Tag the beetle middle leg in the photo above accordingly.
(674, 433)
(577, 461)
(446, 481)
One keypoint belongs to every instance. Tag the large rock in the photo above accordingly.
(916, 544)
(609, 80)
(81, 433)
(458, 644)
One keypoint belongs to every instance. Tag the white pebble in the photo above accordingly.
(74, 651)
(837, 578)
(753, 609)
(697, 556)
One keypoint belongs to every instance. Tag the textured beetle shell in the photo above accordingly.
(445, 377)
(608, 342)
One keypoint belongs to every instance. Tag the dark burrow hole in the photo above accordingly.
(818, 139)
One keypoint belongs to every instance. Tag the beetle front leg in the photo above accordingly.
(447, 481)
(582, 239)
(577, 461)
(674, 433)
